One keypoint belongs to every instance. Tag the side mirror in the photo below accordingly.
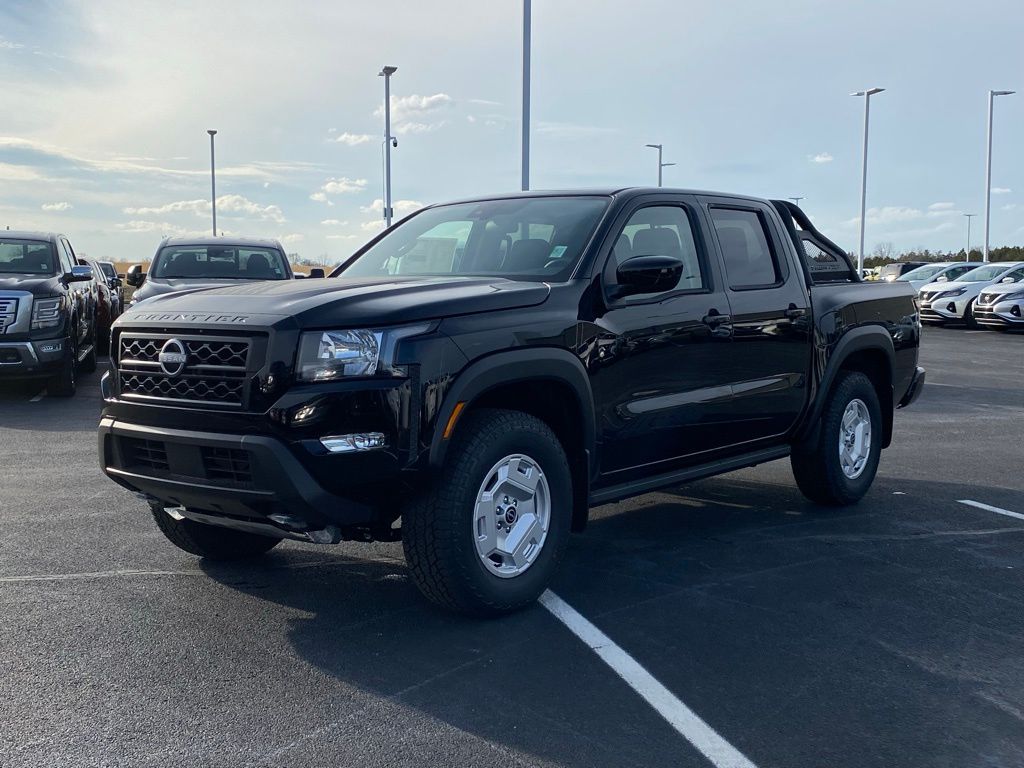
(79, 274)
(648, 274)
(941, 279)
(1008, 280)
(134, 276)
(316, 272)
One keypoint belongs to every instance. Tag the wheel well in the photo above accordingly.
(554, 403)
(874, 364)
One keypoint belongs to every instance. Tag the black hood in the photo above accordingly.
(158, 286)
(39, 285)
(343, 302)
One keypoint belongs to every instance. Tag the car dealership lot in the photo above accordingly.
(890, 633)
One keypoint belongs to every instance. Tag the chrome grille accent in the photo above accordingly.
(215, 370)
(8, 313)
(928, 295)
(987, 298)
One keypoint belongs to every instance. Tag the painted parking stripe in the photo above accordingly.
(40, 396)
(689, 725)
(990, 508)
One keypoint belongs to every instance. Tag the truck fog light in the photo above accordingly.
(54, 346)
(951, 307)
(363, 441)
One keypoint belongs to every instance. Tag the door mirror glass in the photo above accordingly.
(648, 274)
(1009, 280)
(135, 276)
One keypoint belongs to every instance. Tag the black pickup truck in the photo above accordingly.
(48, 326)
(477, 377)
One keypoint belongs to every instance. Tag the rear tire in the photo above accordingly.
(446, 529)
(209, 541)
(824, 471)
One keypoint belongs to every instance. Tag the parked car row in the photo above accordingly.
(971, 294)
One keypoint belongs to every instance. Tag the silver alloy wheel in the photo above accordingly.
(512, 515)
(854, 438)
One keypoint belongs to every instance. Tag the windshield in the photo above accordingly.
(891, 269)
(26, 257)
(988, 272)
(108, 269)
(923, 273)
(538, 238)
(219, 262)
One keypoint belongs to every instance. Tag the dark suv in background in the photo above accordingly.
(47, 311)
(185, 263)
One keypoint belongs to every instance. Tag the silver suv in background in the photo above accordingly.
(945, 272)
(1001, 306)
(953, 302)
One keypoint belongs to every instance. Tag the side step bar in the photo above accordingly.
(635, 488)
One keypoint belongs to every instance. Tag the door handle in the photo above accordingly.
(713, 319)
(794, 312)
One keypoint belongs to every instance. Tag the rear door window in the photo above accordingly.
(750, 259)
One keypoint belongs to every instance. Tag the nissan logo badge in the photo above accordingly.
(172, 357)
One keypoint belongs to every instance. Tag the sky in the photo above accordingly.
(106, 105)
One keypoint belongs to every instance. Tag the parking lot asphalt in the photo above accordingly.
(888, 633)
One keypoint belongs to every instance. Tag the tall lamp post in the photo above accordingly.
(213, 183)
(988, 167)
(867, 94)
(389, 141)
(527, 13)
(967, 253)
(796, 200)
(661, 165)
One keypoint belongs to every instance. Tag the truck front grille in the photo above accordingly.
(150, 454)
(227, 464)
(8, 313)
(215, 369)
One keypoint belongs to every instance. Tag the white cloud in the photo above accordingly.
(372, 226)
(151, 226)
(417, 114)
(320, 197)
(7, 45)
(571, 130)
(226, 204)
(1008, 207)
(352, 139)
(402, 207)
(941, 206)
(63, 206)
(341, 186)
(343, 237)
(1001, 191)
(820, 158)
(334, 223)
(295, 237)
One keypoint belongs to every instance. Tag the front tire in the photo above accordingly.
(65, 383)
(88, 364)
(969, 320)
(485, 538)
(837, 465)
(209, 541)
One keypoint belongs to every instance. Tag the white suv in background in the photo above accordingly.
(1002, 305)
(945, 302)
(945, 272)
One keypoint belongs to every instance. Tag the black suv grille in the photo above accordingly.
(214, 371)
(145, 453)
(227, 464)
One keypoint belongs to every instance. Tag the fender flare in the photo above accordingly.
(869, 337)
(533, 364)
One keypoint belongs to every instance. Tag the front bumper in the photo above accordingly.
(914, 390)
(31, 359)
(949, 310)
(1002, 314)
(248, 477)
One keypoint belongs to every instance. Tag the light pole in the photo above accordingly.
(660, 164)
(213, 183)
(988, 167)
(389, 141)
(796, 200)
(864, 171)
(967, 253)
(526, 95)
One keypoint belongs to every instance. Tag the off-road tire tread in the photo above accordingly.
(431, 521)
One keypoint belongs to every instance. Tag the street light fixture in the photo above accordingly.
(967, 253)
(213, 183)
(988, 167)
(867, 94)
(796, 200)
(389, 141)
(661, 165)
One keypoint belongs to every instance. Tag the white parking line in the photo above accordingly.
(38, 397)
(689, 725)
(990, 508)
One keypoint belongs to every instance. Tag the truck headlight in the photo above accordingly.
(333, 355)
(951, 294)
(46, 313)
